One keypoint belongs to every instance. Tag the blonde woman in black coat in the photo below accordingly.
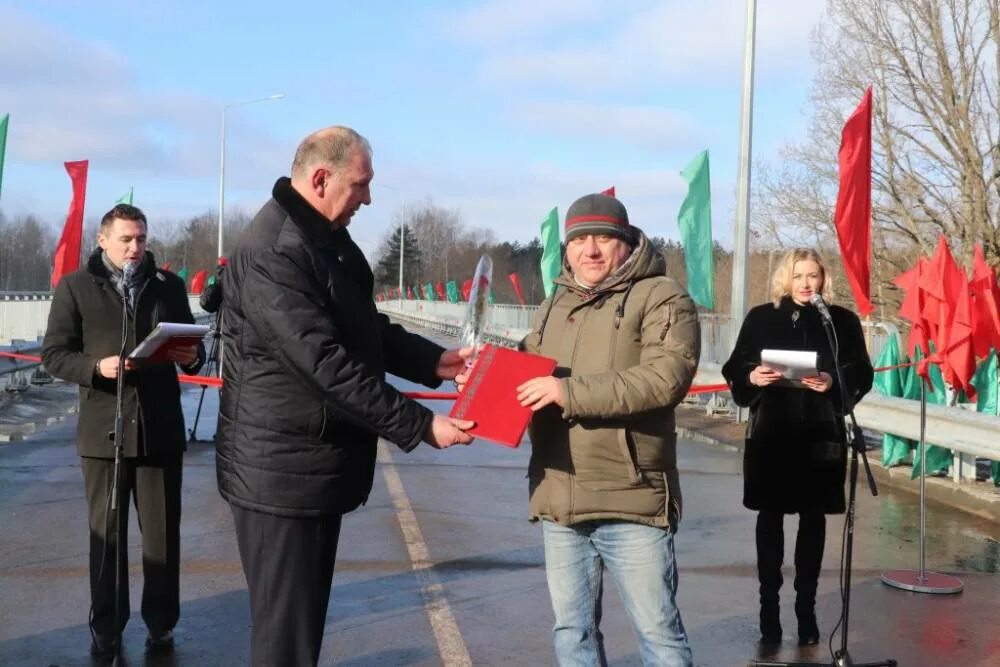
(795, 457)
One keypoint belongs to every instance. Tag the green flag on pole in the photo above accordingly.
(551, 263)
(183, 274)
(695, 222)
(3, 144)
(127, 198)
(895, 450)
(452, 290)
(429, 292)
(987, 401)
(938, 458)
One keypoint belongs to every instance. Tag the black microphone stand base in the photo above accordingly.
(841, 659)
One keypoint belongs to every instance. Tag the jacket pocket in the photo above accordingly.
(626, 443)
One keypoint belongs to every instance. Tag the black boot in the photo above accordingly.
(808, 562)
(770, 554)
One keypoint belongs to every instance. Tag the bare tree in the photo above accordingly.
(934, 66)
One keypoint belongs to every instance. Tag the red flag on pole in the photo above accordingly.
(67, 257)
(516, 282)
(986, 307)
(198, 282)
(439, 290)
(467, 289)
(609, 192)
(854, 202)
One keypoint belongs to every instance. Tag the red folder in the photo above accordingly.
(490, 396)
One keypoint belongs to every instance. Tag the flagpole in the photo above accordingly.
(922, 581)
(222, 155)
(741, 250)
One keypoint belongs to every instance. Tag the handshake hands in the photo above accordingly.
(443, 431)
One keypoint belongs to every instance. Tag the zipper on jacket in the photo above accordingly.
(627, 446)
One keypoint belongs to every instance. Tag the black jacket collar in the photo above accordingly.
(313, 224)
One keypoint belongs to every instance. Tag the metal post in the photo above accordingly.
(741, 229)
(922, 581)
(222, 178)
(402, 244)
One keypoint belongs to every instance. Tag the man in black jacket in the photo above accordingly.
(81, 345)
(305, 398)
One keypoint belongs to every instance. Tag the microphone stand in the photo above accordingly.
(119, 445)
(212, 358)
(855, 439)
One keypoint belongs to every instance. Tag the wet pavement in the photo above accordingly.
(442, 567)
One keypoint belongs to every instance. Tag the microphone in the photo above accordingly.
(128, 273)
(821, 306)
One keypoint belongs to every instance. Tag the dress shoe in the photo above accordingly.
(105, 649)
(160, 642)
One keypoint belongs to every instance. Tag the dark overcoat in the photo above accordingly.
(305, 395)
(85, 325)
(795, 454)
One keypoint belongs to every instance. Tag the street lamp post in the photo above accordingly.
(222, 156)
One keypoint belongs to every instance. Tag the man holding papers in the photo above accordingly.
(603, 472)
(305, 398)
(81, 345)
(795, 459)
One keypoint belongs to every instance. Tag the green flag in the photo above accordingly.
(183, 274)
(3, 144)
(938, 458)
(695, 222)
(551, 263)
(985, 381)
(127, 198)
(429, 292)
(452, 289)
(895, 450)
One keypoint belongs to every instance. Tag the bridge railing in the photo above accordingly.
(24, 315)
(968, 434)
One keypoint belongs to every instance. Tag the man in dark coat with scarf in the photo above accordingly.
(81, 345)
(305, 397)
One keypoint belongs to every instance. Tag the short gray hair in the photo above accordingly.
(331, 146)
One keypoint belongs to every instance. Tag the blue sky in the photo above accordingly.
(501, 109)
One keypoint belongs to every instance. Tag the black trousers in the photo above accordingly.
(288, 564)
(809, 543)
(154, 484)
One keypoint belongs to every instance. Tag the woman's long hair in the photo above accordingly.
(781, 281)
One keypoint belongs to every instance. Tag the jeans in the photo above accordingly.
(641, 561)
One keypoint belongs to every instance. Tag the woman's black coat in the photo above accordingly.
(85, 324)
(795, 456)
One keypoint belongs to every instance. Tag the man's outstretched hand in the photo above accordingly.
(452, 362)
(443, 432)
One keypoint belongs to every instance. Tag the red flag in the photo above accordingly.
(67, 258)
(955, 347)
(198, 282)
(986, 306)
(912, 308)
(409, 292)
(439, 290)
(854, 202)
(609, 192)
(467, 289)
(516, 282)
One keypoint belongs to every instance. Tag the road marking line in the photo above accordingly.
(451, 647)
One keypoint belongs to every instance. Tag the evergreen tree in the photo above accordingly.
(387, 265)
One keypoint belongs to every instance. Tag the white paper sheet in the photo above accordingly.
(792, 364)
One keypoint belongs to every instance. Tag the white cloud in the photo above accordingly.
(646, 127)
(666, 42)
(505, 20)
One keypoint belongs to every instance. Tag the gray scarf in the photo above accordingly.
(134, 286)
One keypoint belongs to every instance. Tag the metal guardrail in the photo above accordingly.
(968, 434)
(25, 315)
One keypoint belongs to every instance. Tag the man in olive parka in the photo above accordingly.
(603, 472)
